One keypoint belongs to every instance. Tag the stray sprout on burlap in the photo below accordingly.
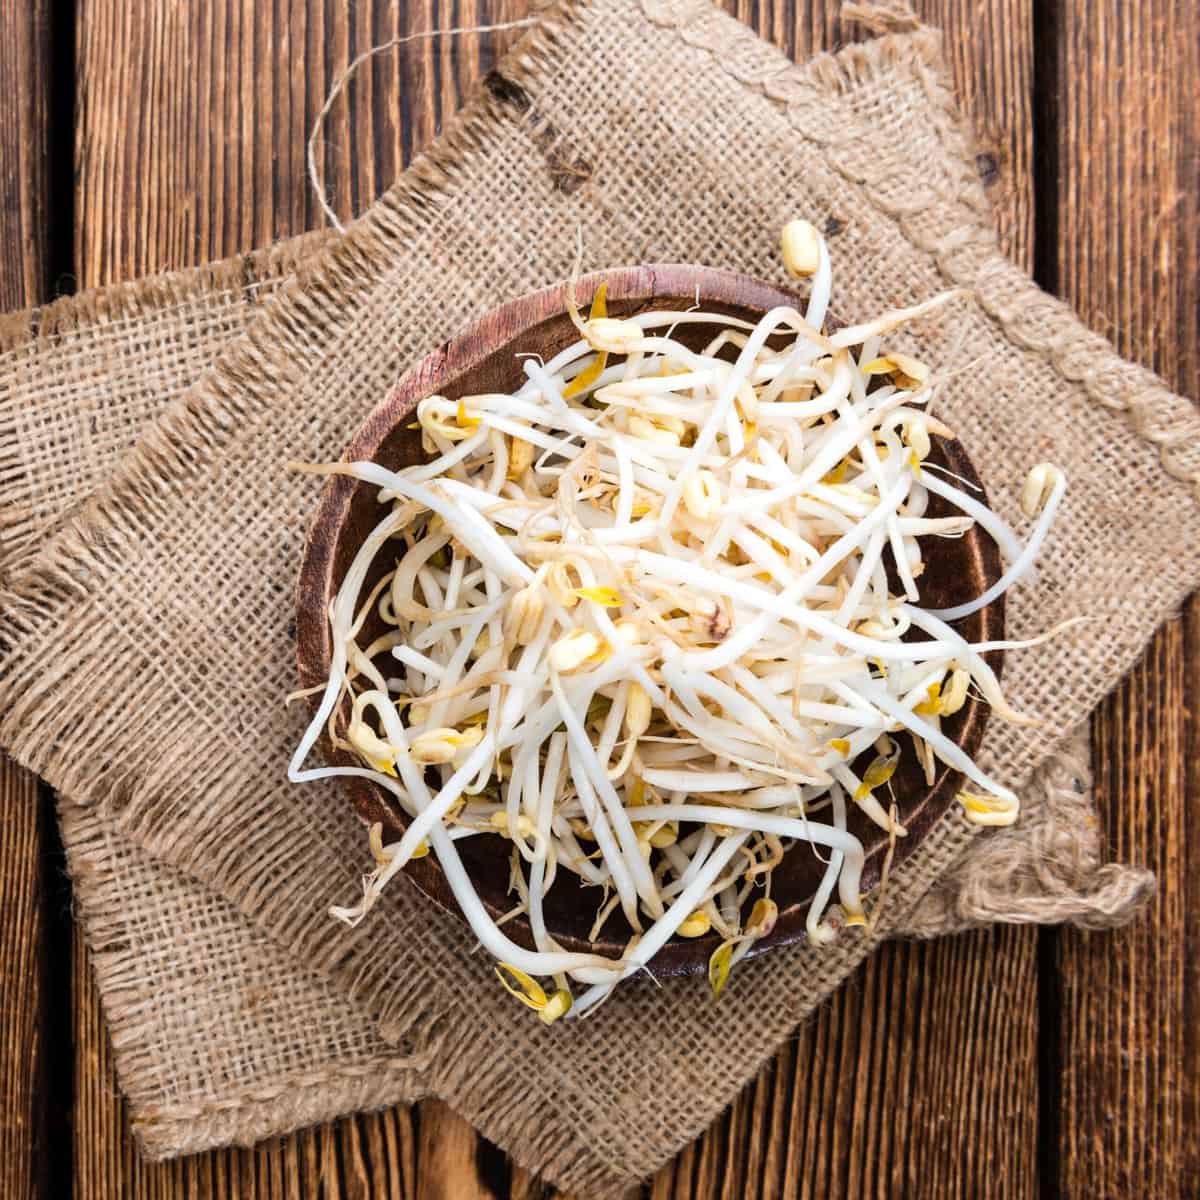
(641, 626)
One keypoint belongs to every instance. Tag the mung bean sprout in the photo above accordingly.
(647, 613)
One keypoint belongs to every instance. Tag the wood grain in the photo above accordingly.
(25, 220)
(868, 1101)
(22, 984)
(1127, 221)
(193, 119)
(990, 49)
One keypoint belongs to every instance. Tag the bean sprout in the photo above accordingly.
(637, 622)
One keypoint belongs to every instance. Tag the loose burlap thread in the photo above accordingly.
(671, 132)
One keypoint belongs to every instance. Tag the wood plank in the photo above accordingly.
(868, 1101)
(864, 1099)
(22, 985)
(25, 52)
(990, 50)
(453, 1161)
(1128, 220)
(192, 123)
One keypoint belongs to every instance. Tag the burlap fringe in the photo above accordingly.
(97, 315)
(1059, 880)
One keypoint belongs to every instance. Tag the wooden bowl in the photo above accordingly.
(484, 359)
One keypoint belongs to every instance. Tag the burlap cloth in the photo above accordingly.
(148, 607)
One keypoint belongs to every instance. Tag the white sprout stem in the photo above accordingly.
(999, 532)
(545, 817)
(1019, 566)
(833, 870)
(592, 771)
(822, 286)
(948, 751)
(724, 403)
(656, 937)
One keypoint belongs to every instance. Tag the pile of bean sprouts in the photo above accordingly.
(640, 628)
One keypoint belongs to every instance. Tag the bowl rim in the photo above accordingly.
(491, 333)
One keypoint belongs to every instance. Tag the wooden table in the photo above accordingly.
(138, 137)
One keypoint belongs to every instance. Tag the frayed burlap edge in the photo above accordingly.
(121, 302)
(1048, 870)
(241, 1116)
(25, 334)
(879, 18)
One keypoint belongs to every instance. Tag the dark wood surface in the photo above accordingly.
(1005, 1063)
(26, 839)
(1127, 219)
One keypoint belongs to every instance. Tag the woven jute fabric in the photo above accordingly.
(147, 627)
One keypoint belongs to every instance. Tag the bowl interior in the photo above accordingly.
(486, 358)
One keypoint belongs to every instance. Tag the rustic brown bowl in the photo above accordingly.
(484, 359)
